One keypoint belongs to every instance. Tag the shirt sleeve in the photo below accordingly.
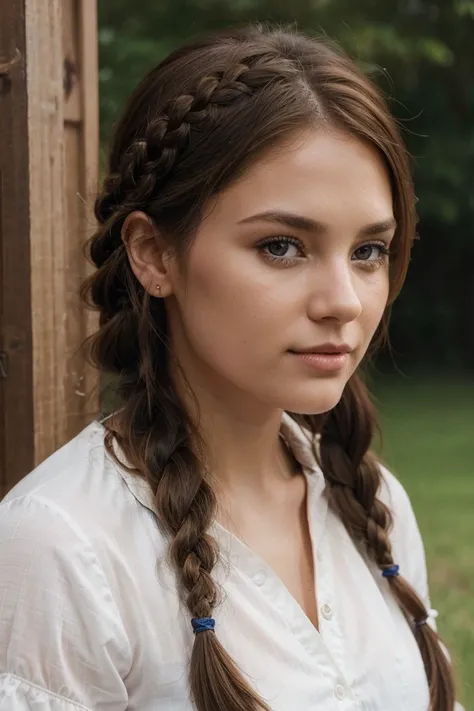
(63, 646)
(408, 547)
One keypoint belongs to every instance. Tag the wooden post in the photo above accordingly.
(48, 172)
(81, 136)
(16, 353)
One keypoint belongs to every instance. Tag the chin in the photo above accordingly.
(315, 398)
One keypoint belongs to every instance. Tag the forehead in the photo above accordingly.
(326, 174)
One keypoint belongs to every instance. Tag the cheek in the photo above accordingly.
(375, 301)
(232, 317)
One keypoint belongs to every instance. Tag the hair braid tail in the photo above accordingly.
(354, 477)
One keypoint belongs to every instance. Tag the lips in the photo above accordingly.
(324, 362)
(325, 349)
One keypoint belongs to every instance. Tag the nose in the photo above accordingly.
(334, 294)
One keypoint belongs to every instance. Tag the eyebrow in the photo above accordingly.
(306, 224)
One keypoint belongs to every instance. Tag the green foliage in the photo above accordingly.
(420, 53)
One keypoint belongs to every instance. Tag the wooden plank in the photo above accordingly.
(82, 150)
(89, 48)
(72, 81)
(16, 389)
(48, 224)
(48, 177)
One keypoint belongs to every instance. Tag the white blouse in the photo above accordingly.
(90, 617)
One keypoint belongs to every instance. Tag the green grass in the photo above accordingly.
(428, 441)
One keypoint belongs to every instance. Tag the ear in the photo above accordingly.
(147, 254)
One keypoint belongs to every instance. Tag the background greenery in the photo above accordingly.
(428, 428)
(421, 53)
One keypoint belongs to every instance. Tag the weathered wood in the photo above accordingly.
(48, 173)
(48, 225)
(82, 154)
(16, 379)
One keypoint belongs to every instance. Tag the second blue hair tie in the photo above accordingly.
(201, 624)
(391, 572)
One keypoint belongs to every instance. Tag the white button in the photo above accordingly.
(340, 692)
(326, 611)
(259, 577)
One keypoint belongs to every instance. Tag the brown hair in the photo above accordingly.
(190, 128)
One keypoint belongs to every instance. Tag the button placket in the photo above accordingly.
(330, 629)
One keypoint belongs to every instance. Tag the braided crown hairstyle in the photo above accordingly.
(193, 124)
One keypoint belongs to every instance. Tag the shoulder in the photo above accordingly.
(394, 495)
(64, 494)
(81, 499)
(70, 472)
(58, 618)
(77, 514)
(405, 535)
(83, 481)
(40, 543)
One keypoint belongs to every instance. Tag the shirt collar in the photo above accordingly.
(301, 442)
(298, 439)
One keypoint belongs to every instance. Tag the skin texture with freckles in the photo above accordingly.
(241, 308)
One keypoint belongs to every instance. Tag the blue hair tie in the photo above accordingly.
(201, 624)
(391, 572)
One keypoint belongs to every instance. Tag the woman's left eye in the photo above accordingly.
(373, 252)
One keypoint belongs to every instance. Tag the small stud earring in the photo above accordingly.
(158, 287)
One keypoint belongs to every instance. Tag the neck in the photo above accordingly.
(245, 453)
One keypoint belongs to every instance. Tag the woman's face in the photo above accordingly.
(292, 257)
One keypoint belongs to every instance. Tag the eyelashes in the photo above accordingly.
(281, 245)
(382, 249)
(284, 242)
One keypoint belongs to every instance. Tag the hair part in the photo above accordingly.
(192, 127)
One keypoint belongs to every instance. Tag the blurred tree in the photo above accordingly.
(421, 54)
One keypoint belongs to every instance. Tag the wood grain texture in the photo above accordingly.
(48, 178)
(16, 390)
(89, 47)
(81, 156)
(47, 221)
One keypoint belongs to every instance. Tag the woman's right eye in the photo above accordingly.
(281, 249)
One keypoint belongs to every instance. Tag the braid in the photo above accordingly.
(188, 513)
(186, 507)
(149, 160)
(354, 478)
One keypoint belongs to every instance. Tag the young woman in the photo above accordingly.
(225, 540)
